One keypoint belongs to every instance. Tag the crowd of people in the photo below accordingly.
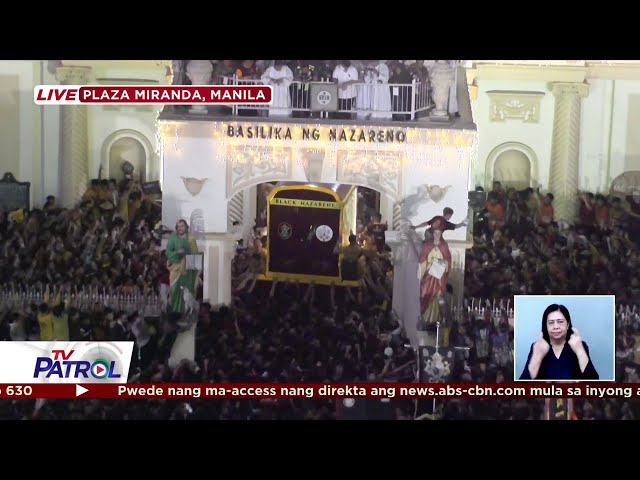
(367, 89)
(519, 248)
(295, 332)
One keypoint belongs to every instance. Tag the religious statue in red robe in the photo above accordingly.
(435, 265)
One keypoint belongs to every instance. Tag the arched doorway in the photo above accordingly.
(127, 149)
(513, 164)
(513, 169)
(132, 146)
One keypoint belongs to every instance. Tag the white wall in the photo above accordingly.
(193, 155)
(28, 145)
(536, 136)
(446, 167)
(625, 154)
(595, 126)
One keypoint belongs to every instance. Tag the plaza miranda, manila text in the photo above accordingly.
(153, 95)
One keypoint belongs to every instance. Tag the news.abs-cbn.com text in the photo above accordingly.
(386, 391)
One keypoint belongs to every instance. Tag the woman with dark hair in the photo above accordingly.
(559, 353)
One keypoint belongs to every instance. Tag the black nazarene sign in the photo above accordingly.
(304, 226)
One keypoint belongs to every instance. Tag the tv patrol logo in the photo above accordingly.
(96, 363)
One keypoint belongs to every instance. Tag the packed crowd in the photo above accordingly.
(109, 241)
(294, 332)
(520, 249)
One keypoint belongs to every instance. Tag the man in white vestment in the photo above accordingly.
(364, 98)
(381, 98)
(346, 76)
(280, 77)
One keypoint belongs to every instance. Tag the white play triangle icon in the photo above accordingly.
(80, 390)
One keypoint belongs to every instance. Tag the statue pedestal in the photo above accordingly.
(184, 348)
(199, 109)
(442, 78)
(426, 339)
(440, 117)
(219, 251)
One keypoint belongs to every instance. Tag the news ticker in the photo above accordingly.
(320, 390)
(150, 95)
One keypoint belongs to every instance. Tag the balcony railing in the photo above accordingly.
(405, 101)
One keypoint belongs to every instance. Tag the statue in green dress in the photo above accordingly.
(180, 245)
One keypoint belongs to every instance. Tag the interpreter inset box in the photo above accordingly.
(564, 337)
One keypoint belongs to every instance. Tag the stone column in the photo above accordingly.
(249, 208)
(406, 291)
(177, 67)
(458, 250)
(219, 253)
(386, 209)
(227, 252)
(75, 141)
(563, 174)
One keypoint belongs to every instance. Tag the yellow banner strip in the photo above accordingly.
(296, 202)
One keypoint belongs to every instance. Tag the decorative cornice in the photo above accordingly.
(530, 73)
(611, 71)
(522, 105)
(119, 64)
(552, 70)
(532, 63)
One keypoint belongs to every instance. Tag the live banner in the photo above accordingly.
(331, 391)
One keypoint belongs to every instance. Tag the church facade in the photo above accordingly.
(564, 126)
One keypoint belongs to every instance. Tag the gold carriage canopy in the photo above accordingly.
(307, 224)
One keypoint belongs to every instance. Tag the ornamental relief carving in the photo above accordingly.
(247, 166)
(510, 105)
(379, 170)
